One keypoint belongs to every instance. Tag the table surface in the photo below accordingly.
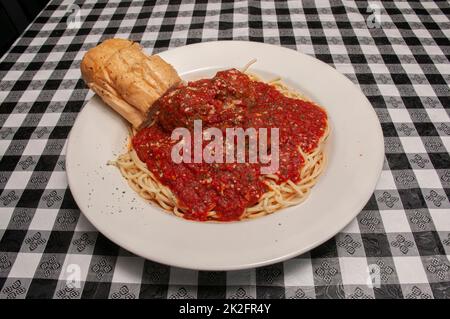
(397, 53)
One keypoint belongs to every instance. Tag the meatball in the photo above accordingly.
(217, 102)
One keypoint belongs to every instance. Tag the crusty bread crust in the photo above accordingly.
(127, 79)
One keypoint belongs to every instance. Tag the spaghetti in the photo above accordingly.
(289, 187)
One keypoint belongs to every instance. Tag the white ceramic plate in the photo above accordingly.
(355, 150)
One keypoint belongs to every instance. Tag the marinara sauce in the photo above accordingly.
(229, 99)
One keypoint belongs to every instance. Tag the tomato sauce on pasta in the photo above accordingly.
(230, 99)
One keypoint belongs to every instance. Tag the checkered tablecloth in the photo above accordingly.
(397, 53)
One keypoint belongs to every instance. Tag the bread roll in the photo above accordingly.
(127, 79)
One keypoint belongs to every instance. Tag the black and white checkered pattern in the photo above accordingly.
(401, 63)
